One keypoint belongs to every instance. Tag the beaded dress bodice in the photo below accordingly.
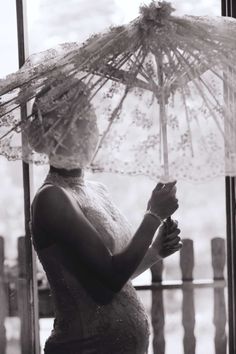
(121, 323)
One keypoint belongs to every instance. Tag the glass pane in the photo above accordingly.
(53, 22)
(201, 214)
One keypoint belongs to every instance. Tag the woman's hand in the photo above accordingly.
(167, 240)
(163, 201)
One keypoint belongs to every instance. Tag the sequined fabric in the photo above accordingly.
(83, 324)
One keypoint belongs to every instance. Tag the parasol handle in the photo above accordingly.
(168, 221)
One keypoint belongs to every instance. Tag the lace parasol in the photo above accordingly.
(162, 87)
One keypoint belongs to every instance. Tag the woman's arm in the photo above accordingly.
(150, 258)
(59, 216)
(166, 243)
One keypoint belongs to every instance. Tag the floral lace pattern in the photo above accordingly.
(162, 87)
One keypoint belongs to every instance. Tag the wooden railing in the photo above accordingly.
(12, 297)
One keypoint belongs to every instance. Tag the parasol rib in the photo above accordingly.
(162, 114)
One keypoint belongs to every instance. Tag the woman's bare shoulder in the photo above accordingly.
(56, 212)
(49, 193)
(50, 200)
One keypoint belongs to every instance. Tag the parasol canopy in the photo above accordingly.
(163, 89)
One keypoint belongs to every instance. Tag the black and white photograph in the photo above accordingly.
(118, 177)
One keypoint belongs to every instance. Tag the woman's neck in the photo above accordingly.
(76, 172)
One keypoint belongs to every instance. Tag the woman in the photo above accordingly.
(85, 244)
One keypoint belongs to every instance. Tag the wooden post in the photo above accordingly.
(22, 296)
(3, 300)
(188, 309)
(218, 264)
(157, 312)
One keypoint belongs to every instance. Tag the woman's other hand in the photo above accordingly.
(163, 201)
(167, 240)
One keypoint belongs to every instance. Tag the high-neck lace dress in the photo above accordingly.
(84, 324)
